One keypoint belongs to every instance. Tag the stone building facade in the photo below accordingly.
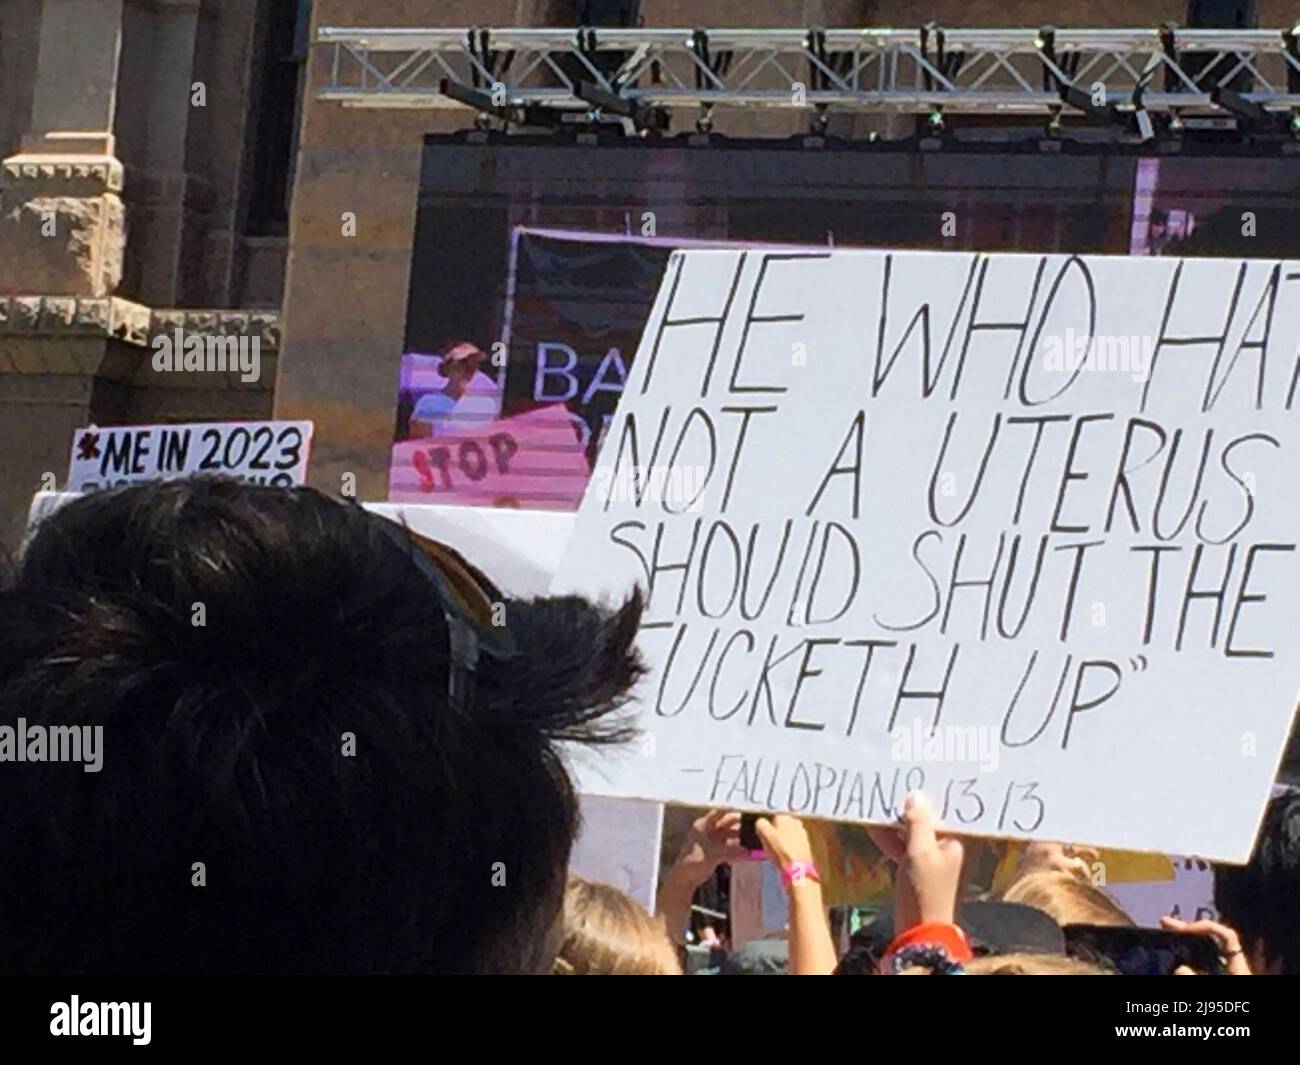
(148, 149)
(142, 147)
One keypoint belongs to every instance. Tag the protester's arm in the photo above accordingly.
(812, 950)
(926, 886)
(712, 840)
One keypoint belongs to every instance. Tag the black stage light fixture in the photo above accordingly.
(1252, 118)
(643, 117)
(1133, 119)
(514, 114)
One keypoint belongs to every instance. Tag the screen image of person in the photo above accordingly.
(449, 390)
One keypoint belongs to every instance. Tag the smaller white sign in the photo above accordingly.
(618, 843)
(272, 453)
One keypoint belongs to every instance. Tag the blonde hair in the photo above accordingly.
(1032, 965)
(606, 933)
(1067, 899)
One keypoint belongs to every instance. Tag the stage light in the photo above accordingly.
(1251, 117)
(1134, 118)
(1241, 107)
(641, 116)
(509, 113)
(1082, 101)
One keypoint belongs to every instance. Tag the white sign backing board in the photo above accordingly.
(1017, 530)
(273, 453)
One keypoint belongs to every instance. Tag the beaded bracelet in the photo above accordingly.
(933, 958)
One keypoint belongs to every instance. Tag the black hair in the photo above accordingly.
(1261, 899)
(861, 957)
(270, 672)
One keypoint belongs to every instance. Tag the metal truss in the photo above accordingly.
(641, 73)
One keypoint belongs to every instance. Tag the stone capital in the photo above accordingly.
(130, 322)
(62, 224)
(30, 174)
(106, 316)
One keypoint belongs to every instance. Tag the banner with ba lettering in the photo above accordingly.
(1016, 530)
(572, 316)
(578, 305)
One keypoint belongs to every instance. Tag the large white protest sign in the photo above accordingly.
(273, 453)
(1017, 530)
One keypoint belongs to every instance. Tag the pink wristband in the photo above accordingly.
(798, 872)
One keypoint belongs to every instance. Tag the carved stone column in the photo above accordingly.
(61, 216)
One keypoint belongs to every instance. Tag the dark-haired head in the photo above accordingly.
(1261, 899)
(285, 785)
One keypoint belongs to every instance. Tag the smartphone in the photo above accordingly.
(749, 837)
(1143, 951)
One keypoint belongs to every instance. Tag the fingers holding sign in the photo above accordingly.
(712, 840)
(933, 864)
(929, 866)
(785, 839)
